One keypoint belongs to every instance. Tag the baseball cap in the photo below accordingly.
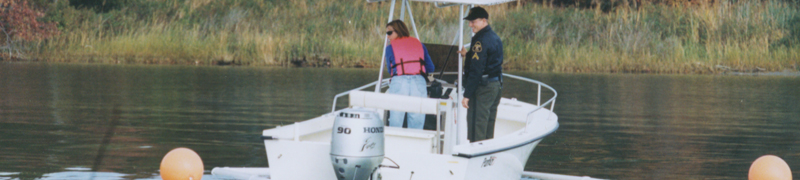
(477, 12)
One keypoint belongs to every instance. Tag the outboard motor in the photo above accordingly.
(356, 144)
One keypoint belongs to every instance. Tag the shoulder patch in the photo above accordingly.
(477, 47)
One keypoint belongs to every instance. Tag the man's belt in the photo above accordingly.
(486, 78)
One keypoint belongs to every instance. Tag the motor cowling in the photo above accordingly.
(356, 144)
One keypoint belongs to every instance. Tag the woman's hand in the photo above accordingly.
(462, 52)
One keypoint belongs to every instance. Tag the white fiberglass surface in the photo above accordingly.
(395, 138)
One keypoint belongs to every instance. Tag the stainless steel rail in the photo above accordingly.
(551, 101)
(384, 83)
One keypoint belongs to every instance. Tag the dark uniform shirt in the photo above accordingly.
(485, 57)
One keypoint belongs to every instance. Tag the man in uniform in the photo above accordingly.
(483, 72)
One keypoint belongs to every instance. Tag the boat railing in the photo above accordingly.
(384, 83)
(551, 101)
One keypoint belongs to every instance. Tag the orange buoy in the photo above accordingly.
(181, 164)
(770, 167)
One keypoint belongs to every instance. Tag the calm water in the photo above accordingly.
(71, 121)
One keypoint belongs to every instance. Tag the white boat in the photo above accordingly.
(303, 150)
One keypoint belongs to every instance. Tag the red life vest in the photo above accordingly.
(409, 55)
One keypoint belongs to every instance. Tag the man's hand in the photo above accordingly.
(462, 52)
(465, 103)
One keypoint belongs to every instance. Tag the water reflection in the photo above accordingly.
(670, 127)
(71, 121)
(123, 119)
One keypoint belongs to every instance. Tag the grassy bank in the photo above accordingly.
(726, 36)
(743, 36)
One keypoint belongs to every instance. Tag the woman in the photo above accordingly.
(407, 61)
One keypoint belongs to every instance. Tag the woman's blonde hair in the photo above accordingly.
(399, 28)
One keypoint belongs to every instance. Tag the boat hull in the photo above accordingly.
(292, 159)
(302, 150)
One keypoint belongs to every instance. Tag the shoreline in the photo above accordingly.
(719, 70)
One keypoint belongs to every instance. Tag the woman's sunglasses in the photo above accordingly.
(389, 33)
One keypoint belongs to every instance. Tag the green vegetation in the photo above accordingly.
(246, 32)
(658, 38)
(741, 36)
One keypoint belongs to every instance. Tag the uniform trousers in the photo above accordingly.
(482, 111)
